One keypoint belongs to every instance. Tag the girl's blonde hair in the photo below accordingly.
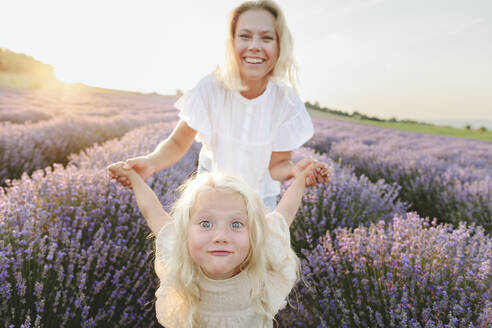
(182, 273)
(285, 69)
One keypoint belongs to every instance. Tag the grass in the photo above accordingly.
(423, 128)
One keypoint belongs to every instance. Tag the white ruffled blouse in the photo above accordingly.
(239, 134)
(227, 303)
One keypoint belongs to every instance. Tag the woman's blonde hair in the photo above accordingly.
(182, 273)
(285, 69)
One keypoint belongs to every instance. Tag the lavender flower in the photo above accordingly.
(346, 201)
(72, 122)
(410, 272)
(440, 177)
(75, 243)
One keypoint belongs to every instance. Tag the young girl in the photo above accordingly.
(221, 261)
(246, 115)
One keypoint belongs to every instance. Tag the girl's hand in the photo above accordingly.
(142, 165)
(119, 171)
(317, 173)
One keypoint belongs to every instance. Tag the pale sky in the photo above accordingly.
(415, 59)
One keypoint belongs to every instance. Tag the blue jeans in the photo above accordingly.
(270, 201)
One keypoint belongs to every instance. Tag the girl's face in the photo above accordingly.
(218, 233)
(256, 45)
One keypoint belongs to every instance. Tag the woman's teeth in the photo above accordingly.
(253, 60)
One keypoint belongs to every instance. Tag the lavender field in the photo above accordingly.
(75, 251)
(441, 177)
(41, 127)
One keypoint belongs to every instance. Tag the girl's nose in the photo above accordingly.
(221, 236)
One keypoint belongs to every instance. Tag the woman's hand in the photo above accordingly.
(141, 165)
(318, 174)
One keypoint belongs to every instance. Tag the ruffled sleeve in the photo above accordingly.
(281, 283)
(194, 107)
(295, 130)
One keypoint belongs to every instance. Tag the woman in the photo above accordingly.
(247, 115)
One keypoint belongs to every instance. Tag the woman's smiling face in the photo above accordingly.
(256, 45)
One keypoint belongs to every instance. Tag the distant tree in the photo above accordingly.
(356, 114)
(483, 129)
(409, 122)
(468, 127)
(373, 118)
(359, 115)
(12, 62)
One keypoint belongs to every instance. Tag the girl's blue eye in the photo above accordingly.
(237, 225)
(267, 38)
(244, 36)
(205, 224)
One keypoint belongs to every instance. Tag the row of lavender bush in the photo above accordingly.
(27, 147)
(346, 201)
(440, 177)
(408, 273)
(40, 127)
(75, 251)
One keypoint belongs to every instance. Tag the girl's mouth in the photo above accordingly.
(220, 253)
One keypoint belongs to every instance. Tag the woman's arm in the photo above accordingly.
(147, 200)
(167, 153)
(281, 166)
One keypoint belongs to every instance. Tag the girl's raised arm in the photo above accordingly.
(147, 200)
(291, 199)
